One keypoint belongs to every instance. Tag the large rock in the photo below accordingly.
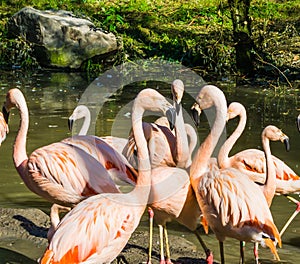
(59, 38)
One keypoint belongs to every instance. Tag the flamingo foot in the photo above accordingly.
(168, 261)
(209, 257)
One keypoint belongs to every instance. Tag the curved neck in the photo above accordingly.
(182, 155)
(270, 183)
(143, 185)
(192, 138)
(204, 152)
(19, 149)
(86, 124)
(223, 157)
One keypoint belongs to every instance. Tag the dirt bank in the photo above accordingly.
(23, 239)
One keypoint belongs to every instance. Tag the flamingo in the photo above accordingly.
(105, 222)
(102, 148)
(161, 145)
(61, 173)
(83, 112)
(3, 128)
(180, 205)
(296, 212)
(269, 133)
(185, 134)
(232, 204)
(252, 162)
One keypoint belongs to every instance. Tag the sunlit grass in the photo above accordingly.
(194, 32)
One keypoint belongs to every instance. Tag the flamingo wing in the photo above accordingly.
(102, 228)
(66, 174)
(231, 201)
(116, 164)
(161, 145)
(252, 162)
(230, 195)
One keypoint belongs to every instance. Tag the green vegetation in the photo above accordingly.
(195, 33)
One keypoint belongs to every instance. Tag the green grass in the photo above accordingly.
(196, 33)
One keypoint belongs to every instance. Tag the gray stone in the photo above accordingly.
(59, 38)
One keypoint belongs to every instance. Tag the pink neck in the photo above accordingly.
(201, 159)
(270, 184)
(181, 141)
(19, 150)
(223, 157)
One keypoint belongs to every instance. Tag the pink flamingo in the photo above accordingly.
(296, 212)
(160, 140)
(105, 222)
(185, 134)
(161, 144)
(3, 128)
(61, 173)
(82, 112)
(252, 162)
(232, 204)
(181, 204)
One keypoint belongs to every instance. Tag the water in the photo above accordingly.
(51, 98)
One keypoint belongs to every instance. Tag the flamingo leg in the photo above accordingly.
(255, 251)
(151, 215)
(292, 216)
(161, 243)
(168, 260)
(242, 252)
(221, 246)
(208, 252)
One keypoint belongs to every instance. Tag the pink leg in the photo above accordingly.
(168, 255)
(161, 243)
(151, 215)
(255, 251)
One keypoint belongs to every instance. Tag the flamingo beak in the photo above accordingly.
(5, 114)
(286, 143)
(70, 123)
(196, 111)
(177, 106)
(298, 122)
(171, 115)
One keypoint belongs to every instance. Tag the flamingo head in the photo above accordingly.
(177, 89)
(275, 134)
(81, 111)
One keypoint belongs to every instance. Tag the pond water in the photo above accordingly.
(51, 98)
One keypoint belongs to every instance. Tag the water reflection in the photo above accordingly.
(51, 98)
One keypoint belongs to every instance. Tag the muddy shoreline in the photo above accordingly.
(23, 239)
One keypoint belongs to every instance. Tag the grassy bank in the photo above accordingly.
(195, 33)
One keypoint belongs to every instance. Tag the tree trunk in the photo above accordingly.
(242, 35)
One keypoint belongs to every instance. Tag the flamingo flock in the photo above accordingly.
(171, 179)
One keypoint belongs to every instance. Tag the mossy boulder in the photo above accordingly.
(59, 38)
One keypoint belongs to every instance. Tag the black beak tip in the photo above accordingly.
(171, 115)
(287, 144)
(195, 117)
(70, 124)
(298, 123)
(177, 106)
(5, 114)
